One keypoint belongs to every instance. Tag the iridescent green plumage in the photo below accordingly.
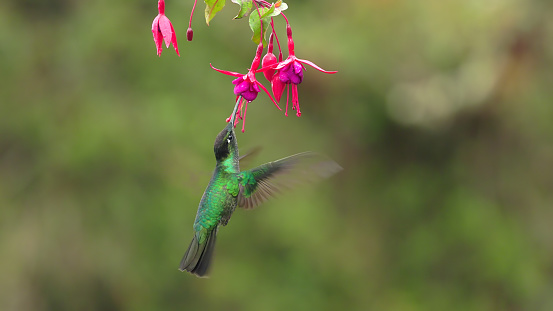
(229, 188)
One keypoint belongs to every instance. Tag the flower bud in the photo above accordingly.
(268, 60)
(189, 34)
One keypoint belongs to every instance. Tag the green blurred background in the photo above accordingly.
(440, 115)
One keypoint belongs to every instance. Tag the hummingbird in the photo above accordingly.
(230, 188)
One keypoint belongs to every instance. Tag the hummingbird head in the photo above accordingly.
(225, 142)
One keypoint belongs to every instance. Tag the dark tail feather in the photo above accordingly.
(197, 258)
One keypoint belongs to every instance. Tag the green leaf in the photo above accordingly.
(212, 7)
(245, 8)
(255, 23)
(266, 14)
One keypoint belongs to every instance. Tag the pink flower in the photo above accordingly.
(162, 29)
(290, 71)
(246, 86)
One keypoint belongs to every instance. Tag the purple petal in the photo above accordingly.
(296, 79)
(283, 74)
(242, 87)
(249, 95)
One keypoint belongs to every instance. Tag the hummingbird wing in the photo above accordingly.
(245, 160)
(259, 184)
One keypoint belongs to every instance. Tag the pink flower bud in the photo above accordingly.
(268, 60)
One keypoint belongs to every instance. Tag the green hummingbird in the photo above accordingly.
(229, 187)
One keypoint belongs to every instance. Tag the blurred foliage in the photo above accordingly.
(440, 115)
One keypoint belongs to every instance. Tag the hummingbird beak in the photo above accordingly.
(233, 116)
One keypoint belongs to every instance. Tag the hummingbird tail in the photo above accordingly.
(197, 258)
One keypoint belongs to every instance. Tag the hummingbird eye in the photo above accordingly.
(229, 138)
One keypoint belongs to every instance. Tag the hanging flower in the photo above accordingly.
(290, 72)
(246, 86)
(162, 29)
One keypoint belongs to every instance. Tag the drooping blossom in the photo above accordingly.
(162, 29)
(290, 74)
(246, 86)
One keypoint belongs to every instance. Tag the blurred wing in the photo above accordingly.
(261, 183)
(245, 160)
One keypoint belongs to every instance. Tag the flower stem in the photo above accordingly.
(192, 13)
(278, 42)
(285, 18)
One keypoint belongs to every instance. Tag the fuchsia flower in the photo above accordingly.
(246, 85)
(290, 71)
(162, 29)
